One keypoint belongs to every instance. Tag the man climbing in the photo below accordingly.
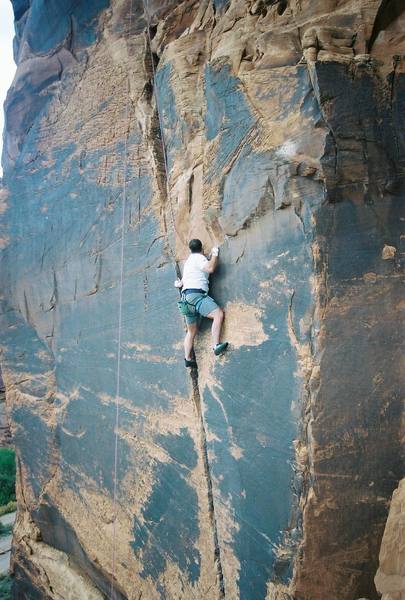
(196, 272)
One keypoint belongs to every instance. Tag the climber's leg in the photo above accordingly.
(217, 317)
(192, 329)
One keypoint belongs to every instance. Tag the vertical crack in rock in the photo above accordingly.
(207, 472)
(159, 154)
(151, 61)
(303, 464)
(395, 64)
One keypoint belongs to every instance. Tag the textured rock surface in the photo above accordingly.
(390, 578)
(269, 476)
(5, 432)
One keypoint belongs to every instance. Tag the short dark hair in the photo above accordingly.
(195, 245)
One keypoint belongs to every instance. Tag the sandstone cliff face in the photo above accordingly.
(390, 578)
(269, 474)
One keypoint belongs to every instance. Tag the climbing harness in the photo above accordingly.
(189, 309)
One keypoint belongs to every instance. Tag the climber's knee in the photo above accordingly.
(192, 328)
(217, 314)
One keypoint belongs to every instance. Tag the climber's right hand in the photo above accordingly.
(178, 283)
(215, 251)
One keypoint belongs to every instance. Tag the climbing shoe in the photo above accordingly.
(190, 363)
(220, 348)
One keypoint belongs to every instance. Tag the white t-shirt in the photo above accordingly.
(193, 275)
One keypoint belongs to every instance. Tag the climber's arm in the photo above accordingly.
(211, 265)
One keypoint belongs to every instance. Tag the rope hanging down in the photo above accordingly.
(121, 279)
(119, 336)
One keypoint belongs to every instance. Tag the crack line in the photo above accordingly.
(210, 493)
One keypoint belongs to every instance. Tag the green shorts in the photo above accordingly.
(205, 307)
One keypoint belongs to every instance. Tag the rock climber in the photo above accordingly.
(195, 299)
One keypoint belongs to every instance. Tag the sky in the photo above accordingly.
(7, 65)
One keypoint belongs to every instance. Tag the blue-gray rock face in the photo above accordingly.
(266, 473)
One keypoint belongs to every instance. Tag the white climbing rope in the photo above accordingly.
(119, 335)
(121, 279)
